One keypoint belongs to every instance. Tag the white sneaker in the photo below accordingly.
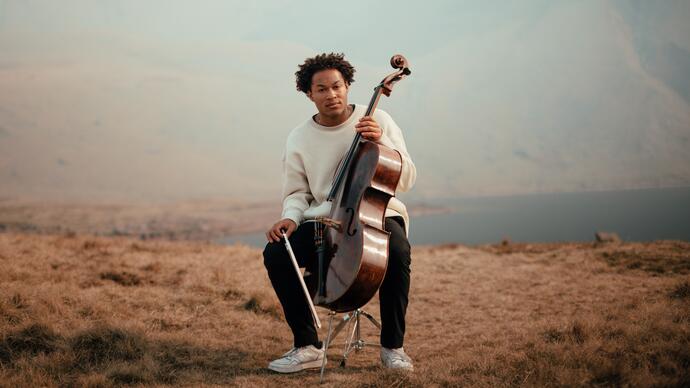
(298, 359)
(396, 359)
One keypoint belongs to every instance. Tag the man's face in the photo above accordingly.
(329, 93)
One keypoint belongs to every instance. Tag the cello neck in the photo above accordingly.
(344, 166)
(374, 100)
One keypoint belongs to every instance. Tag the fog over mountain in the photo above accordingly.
(168, 100)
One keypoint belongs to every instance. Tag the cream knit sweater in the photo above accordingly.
(312, 154)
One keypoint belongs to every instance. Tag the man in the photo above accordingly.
(313, 151)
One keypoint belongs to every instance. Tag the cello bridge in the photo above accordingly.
(330, 222)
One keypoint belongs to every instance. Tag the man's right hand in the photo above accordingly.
(276, 232)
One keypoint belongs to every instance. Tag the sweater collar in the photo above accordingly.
(356, 113)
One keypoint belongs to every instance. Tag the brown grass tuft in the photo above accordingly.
(129, 374)
(18, 301)
(578, 333)
(32, 340)
(258, 305)
(553, 336)
(178, 360)
(106, 345)
(153, 267)
(93, 380)
(575, 334)
(681, 291)
(122, 278)
(89, 244)
(666, 257)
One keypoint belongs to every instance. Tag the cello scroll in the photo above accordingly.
(398, 62)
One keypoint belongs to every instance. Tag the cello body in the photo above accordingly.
(358, 252)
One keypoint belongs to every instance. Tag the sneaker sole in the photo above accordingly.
(399, 369)
(296, 368)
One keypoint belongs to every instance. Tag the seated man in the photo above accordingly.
(312, 154)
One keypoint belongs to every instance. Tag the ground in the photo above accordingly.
(84, 310)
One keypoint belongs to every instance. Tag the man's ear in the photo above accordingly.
(309, 95)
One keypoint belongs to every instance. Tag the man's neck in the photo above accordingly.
(334, 121)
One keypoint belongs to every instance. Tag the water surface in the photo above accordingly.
(635, 215)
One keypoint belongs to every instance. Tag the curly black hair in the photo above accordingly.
(322, 62)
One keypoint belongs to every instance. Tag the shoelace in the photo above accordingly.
(292, 351)
(292, 354)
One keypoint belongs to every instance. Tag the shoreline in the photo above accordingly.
(180, 220)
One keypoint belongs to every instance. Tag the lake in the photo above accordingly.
(635, 215)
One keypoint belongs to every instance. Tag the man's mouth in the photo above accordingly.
(332, 105)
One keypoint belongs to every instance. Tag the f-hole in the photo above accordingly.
(350, 227)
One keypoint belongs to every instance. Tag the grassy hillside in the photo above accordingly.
(78, 310)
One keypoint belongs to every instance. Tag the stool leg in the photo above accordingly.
(353, 338)
(353, 341)
(372, 319)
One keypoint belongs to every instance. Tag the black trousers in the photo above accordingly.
(393, 294)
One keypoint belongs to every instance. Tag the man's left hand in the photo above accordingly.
(369, 128)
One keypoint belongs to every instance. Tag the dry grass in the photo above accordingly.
(107, 311)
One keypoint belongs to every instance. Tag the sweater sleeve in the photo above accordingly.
(296, 192)
(393, 138)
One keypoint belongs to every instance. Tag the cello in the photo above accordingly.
(353, 251)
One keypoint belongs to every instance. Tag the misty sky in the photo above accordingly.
(176, 99)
